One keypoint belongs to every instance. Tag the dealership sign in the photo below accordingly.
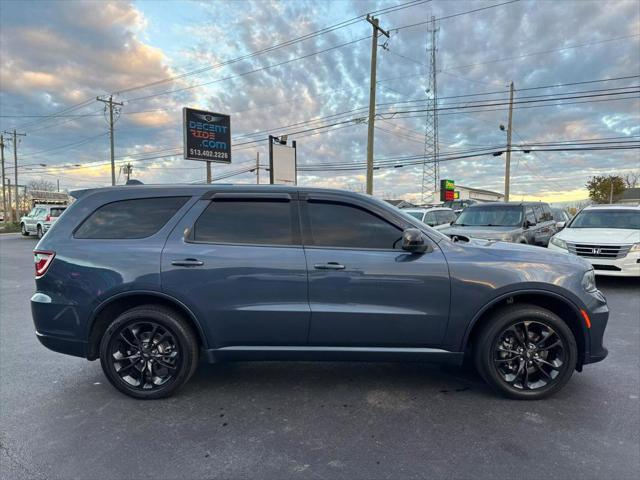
(207, 136)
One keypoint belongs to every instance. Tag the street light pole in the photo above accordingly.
(4, 197)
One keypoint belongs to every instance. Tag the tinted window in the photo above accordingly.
(338, 225)
(249, 222)
(56, 212)
(137, 218)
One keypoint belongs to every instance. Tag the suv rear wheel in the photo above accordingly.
(148, 352)
(526, 352)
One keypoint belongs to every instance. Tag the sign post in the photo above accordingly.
(283, 161)
(207, 137)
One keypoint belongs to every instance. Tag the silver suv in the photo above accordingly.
(40, 219)
(518, 222)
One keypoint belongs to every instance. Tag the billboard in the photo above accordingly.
(207, 136)
(282, 162)
(447, 190)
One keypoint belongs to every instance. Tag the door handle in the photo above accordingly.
(187, 262)
(328, 266)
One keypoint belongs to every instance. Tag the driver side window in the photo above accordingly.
(529, 216)
(347, 226)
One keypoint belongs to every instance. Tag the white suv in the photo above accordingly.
(606, 235)
(436, 217)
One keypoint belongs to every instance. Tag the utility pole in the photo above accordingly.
(9, 190)
(257, 168)
(431, 164)
(610, 190)
(15, 167)
(127, 169)
(58, 184)
(208, 172)
(507, 170)
(4, 197)
(372, 98)
(110, 104)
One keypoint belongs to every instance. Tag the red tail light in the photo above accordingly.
(42, 261)
(47, 218)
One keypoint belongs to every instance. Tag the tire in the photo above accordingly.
(130, 335)
(39, 231)
(23, 230)
(537, 372)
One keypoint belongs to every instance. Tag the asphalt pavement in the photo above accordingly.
(60, 419)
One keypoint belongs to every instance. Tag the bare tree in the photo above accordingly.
(632, 179)
(41, 186)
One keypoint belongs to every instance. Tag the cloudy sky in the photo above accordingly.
(158, 56)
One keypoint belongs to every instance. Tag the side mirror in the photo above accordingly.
(560, 225)
(413, 241)
(528, 224)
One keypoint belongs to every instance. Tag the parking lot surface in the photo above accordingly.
(59, 418)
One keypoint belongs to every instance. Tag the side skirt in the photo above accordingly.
(314, 353)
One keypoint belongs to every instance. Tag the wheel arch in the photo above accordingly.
(110, 308)
(566, 309)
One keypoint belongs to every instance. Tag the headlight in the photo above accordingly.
(635, 248)
(589, 281)
(558, 242)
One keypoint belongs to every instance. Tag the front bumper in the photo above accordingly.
(598, 312)
(628, 266)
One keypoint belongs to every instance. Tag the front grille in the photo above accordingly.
(598, 251)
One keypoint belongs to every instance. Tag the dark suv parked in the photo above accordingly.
(150, 278)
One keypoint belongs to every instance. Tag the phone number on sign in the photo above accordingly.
(208, 153)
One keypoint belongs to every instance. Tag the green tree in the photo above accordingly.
(600, 187)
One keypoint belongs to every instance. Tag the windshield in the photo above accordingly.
(627, 219)
(415, 214)
(558, 214)
(491, 216)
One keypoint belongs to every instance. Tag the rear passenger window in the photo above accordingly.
(346, 226)
(245, 222)
(136, 218)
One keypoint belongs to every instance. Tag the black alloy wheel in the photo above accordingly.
(144, 355)
(149, 352)
(525, 352)
(529, 355)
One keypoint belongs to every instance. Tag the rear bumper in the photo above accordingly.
(58, 326)
(63, 345)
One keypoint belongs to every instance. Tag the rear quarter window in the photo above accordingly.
(127, 219)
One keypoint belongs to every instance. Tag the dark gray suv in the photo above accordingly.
(152, 278)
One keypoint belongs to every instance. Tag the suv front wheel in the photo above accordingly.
(148, 352)
(23, 230)
(526, 352)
